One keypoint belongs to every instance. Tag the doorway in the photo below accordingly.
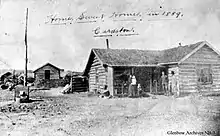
(47, 74)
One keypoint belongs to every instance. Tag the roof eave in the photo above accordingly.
(169, 63)
(136, 65)
(92, 51)
(48, 64)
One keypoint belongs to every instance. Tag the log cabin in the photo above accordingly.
(47, 72)
(196, 66)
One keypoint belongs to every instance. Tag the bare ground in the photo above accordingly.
(78, 114)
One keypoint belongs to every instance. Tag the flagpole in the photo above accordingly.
(26, 48)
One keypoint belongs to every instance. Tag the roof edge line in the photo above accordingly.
(97, 56)
(168, 63)
(192, 52)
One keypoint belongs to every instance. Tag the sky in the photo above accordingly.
(68, 46)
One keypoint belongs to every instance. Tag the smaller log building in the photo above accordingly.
(47, 72)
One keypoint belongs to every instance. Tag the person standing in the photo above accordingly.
(139, 90)
(174, 84)
(164, 79)
(129, 85)
(134, 85)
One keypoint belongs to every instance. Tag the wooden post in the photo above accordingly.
(151, 80)
(132, 71)
(110, 81)
(26, 48)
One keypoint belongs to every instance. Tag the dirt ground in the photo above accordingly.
(55, 114)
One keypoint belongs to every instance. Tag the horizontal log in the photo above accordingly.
(198, 67)
(207, 61)
(205, 54)
(188, 77)
(189, 90)
(187, 71)
(200, 64)
(188, 85)
(217, 78)
(97, 66)
(216, 67)
(206, 49)
(94, 73)
(78, 81)
(96, 60)
(81, 90)
(79, 87)
(98, 70)
(100, 78)
(217, 72)
(79, 84)
(195, 61)
(197, 85)
(194, 70)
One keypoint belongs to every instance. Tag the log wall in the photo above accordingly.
(79, 84)
(203, 58)
(97, 76)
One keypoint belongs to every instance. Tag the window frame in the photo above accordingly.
(204, 75)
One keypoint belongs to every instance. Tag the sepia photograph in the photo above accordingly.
(109, 68)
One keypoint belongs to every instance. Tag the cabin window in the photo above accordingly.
(47, 74)
(205, 76)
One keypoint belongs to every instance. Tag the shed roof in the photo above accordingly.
(133, 57)
(126, 57)
(49, 65)
(177, 53)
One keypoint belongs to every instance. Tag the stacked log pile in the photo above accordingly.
(79, 84)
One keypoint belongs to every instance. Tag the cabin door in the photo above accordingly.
(156, 81)
(156, 85)
(47, 74)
